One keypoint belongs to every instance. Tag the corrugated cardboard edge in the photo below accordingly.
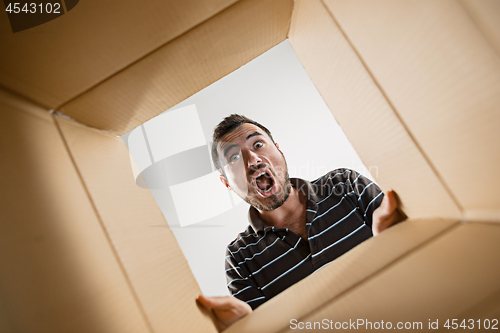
(490, 216)
(179, 35)
(155, 266)
(345, 274)
(450, 287)
(92, 42)
(363, 110)
(115, 253)
(396, 113)
(50, 264)
(486, 15)
(442, 78)
(184, 66)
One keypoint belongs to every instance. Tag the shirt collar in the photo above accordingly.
(310, 191)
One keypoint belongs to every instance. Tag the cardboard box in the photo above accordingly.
(415, 86)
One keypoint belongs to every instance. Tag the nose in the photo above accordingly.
(253, 160)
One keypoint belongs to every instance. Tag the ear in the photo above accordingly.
(278, 146)
(224, 181)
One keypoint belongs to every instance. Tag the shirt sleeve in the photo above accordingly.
(367, 194)
(241, 284)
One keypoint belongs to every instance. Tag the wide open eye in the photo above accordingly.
(233, 158)
(258, 144)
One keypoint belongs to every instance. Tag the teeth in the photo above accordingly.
(269, 189)
(262, 174)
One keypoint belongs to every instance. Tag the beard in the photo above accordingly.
(274, 201)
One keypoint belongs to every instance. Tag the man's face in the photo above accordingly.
(254, 167)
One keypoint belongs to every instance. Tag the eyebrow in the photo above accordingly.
(228, 148)
(252, 135)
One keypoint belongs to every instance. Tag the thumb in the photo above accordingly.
(389, 203)
(216, 302)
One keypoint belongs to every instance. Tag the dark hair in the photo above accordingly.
(228, 125)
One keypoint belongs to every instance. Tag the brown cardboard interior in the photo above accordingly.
(59, 60)
(76, 260)
(442, 113)
(151, 257)
(402, 294)
(363, 111)
(206, 53)
(346, 273)
(59, 271)
(485, 15)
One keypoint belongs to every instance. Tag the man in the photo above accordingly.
(296, 227)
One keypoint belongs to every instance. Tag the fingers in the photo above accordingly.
(387, 214)
(393, 207)
(391, 202)
(222, 303)
(390, 219)
(389, 208)
(226, 309)
(205, 301)
(216, 302)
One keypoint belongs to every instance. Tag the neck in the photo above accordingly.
(291, 210)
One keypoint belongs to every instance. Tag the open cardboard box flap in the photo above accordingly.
(415, 86)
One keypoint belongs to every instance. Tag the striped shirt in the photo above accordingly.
(263, 261)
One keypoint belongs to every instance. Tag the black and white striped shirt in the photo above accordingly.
(263, 261)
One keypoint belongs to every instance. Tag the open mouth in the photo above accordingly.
(264, 183)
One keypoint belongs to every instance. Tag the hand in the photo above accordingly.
(226, 309)
(387, 214)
